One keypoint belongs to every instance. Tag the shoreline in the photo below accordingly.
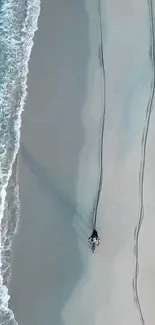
(10, 222)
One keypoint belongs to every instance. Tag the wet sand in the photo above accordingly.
(46, 259)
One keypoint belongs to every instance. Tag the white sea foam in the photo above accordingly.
(18, 23)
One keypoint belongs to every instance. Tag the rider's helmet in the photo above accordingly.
(94, 233)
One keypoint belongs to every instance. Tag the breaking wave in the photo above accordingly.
(18, 23)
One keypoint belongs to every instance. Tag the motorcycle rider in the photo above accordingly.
(94, 238)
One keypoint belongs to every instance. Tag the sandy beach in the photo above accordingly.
(55, 279)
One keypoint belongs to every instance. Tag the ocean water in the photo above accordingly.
(18, 23)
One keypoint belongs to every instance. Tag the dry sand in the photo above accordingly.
(54, 278)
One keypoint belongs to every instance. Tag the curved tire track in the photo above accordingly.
(103, 76)
(142, 166)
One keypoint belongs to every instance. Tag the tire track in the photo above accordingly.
(142, 166)
(103, 77)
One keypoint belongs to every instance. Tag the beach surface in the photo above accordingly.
(55, 279)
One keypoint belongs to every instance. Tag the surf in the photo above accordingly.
(18, 24)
